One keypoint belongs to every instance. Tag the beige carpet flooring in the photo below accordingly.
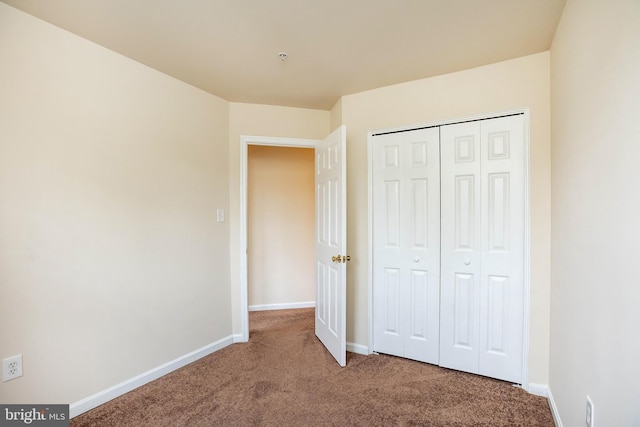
(284, 377)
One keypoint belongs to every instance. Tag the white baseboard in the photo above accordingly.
(554, 409)
(284, 306)
(238, 338)
(104, 396)
(539, 389)
(358, 348)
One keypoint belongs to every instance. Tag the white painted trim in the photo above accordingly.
(284, 306)
(554, 409)
(238, 338)
(370, 237)
(538, 389)
(527, 222)
(124, 387)
(358, 348)
(245, 141)
(527, 257)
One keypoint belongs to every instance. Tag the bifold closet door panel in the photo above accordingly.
(502, 264)
(406, 244)
(461, 246)
(482, 291)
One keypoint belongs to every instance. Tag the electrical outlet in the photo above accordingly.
(12, 367)
(590, 413)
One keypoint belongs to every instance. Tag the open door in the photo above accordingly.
(331, 244)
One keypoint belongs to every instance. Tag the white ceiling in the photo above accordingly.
(336, 47)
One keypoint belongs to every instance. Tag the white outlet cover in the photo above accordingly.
(12, 367)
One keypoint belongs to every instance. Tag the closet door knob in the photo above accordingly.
(416, 259)
(467, 261)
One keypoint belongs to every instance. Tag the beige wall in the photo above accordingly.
(595, 69)
(281, 224)
(261, 120)
(507, 85)
(110, 177)
(111, 262)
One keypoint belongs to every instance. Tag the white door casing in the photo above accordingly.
(245, 142)
(406, 244)
(331, 241)
(483, 223)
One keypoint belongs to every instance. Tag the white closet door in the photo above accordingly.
(502, 276)
(461, 249)
(483, 247)
(406, 247)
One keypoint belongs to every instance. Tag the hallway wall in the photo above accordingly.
(280, 225)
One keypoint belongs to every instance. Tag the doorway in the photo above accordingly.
(245, 143)
(330, 235)
(280, 228)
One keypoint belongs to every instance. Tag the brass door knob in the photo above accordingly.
(337, 259)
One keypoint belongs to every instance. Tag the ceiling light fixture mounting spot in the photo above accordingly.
(283, 56)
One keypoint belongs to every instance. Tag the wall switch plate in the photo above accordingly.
(220, 214)
(589, 418)
(12, 367)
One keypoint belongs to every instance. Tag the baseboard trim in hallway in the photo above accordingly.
(283, 306)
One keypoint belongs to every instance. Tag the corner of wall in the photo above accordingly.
(336, 115)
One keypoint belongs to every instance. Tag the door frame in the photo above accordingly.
(245, 142)
(527, 220)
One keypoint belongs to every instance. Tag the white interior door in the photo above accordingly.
(482, 284)
(406, 246)
(331, 244)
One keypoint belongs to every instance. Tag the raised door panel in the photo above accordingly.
(327, 297)
(419, 213)
(497, 315)
(391, 315)
(464, 311)
(498, 208)
(391, 204)
(464, 226)
(419, 299)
